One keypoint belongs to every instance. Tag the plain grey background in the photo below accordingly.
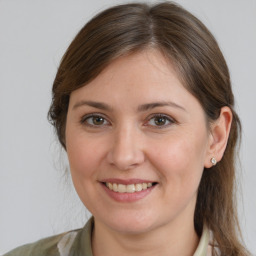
(36, 197)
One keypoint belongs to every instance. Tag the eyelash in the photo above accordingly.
(84, 120)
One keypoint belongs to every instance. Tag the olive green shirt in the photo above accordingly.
(78, 243)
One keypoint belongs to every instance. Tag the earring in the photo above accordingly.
(213, 161)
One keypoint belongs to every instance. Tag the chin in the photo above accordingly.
(135, 223)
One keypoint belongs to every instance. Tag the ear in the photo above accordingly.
(219, 134)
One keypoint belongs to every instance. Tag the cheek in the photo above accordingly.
(81, 154)
(181, 158)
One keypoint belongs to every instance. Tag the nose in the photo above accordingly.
(126, 149)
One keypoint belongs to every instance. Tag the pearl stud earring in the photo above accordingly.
(213, 161)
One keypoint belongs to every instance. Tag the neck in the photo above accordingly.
(171, 239)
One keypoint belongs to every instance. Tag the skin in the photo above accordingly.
(129, 142)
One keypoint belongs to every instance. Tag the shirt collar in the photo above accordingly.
(202, 249)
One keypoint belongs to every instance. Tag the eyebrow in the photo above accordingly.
(149, 106)
(94, 104)
(141, 108)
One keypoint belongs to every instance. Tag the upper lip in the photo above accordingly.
(126, 181)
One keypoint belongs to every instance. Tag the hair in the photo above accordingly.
(202, 69)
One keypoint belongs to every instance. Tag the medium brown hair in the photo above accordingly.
(187, 43)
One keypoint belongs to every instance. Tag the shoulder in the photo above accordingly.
(50, 246)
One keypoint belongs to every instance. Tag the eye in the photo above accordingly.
(160, 121)
(94, 120)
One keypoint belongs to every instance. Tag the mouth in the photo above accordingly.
(129, 188)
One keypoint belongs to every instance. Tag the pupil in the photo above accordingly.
(98, 120)
(160, 120)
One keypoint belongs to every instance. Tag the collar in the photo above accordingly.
(203, 248)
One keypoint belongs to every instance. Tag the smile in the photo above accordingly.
(129, 188)
(128, 191)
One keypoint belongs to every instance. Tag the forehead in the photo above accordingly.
(143, 77)
(148, 64)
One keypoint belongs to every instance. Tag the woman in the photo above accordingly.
(142, 103)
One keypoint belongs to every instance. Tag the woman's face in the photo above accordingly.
(136, 128)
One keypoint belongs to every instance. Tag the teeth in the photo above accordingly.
(110, 186)
(144, 186)
(114, 187)
(138, 187)
(130, 188)
(121, 188)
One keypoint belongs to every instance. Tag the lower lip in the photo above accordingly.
(127, 197)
